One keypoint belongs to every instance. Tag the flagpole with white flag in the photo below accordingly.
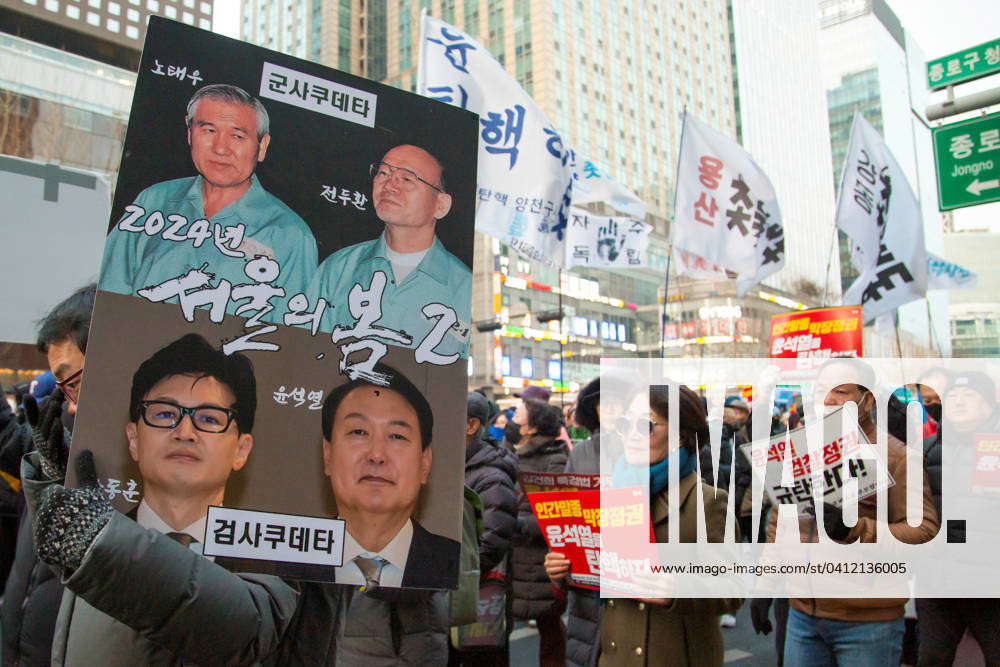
(879, 212)
(725, 210)
(525, 171)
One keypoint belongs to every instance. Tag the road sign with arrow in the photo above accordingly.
(967, 155)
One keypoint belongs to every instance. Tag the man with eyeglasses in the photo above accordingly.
(410, 197)
(191, 412)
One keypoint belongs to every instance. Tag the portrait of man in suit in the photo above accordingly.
(191, 413)
(377, 454)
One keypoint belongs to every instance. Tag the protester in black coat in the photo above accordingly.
(538, 450)
(32, 592)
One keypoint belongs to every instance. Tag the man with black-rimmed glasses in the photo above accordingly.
(410, 196)
(191, 411)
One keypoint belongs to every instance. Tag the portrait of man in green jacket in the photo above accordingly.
(220, 219)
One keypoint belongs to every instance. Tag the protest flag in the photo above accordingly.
(880, 214)
(525, 170)
(606, 242)
(726, 211)
(942, 274)
(593, 184)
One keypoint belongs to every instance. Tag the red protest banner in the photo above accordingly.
(819, 333)
(986, 475)
(570, 522)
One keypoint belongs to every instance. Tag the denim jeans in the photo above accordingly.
(820, 642)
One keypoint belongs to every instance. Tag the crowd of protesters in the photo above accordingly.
(519, 575)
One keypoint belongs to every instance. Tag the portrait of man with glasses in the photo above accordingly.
(410, 196)
(191, 413)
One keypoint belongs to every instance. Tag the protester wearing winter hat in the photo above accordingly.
(969, 407)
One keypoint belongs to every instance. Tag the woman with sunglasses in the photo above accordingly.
(663, 631)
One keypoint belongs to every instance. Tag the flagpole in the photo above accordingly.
(562, 380)
(670, 239)
(421, 69)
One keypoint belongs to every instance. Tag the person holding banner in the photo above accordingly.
(217, 220)
(191, 413)
(855, 631)
(407, 262)
(585, 606)
(674, 631)
(539, 449)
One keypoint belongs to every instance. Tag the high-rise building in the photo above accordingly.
(873, 65)
(110, 31)
(614, 78)
(68, 71)
(783, 124)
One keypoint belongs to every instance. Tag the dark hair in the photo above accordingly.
(69, 320)
(693, 427)
(193, 355)
(587, 402)
(544, 418)
(397, 382)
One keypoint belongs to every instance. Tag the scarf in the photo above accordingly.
(626, 474)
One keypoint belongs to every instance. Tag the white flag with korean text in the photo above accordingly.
(726, 211)
(942, 274)
(594, 240)
(593, 184)
(880, 214)
(525, 171)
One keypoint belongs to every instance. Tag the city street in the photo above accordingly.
(744, 647)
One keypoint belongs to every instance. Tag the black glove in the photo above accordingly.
(48, 433)
(68, 520)
(759, 610)
(833, 522)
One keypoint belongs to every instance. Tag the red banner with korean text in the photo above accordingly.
(820, 333)
(571, 523)
(986, 475)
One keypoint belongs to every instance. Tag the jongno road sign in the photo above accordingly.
(967, 156)
(972, 63)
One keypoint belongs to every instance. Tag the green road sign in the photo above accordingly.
(965, 65)
(967, 155)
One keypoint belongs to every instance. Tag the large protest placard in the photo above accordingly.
(840, 446)
(301, 240)
(570, 523)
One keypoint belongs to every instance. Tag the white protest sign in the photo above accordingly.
(839, 446)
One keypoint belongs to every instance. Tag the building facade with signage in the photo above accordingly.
(871, 63)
